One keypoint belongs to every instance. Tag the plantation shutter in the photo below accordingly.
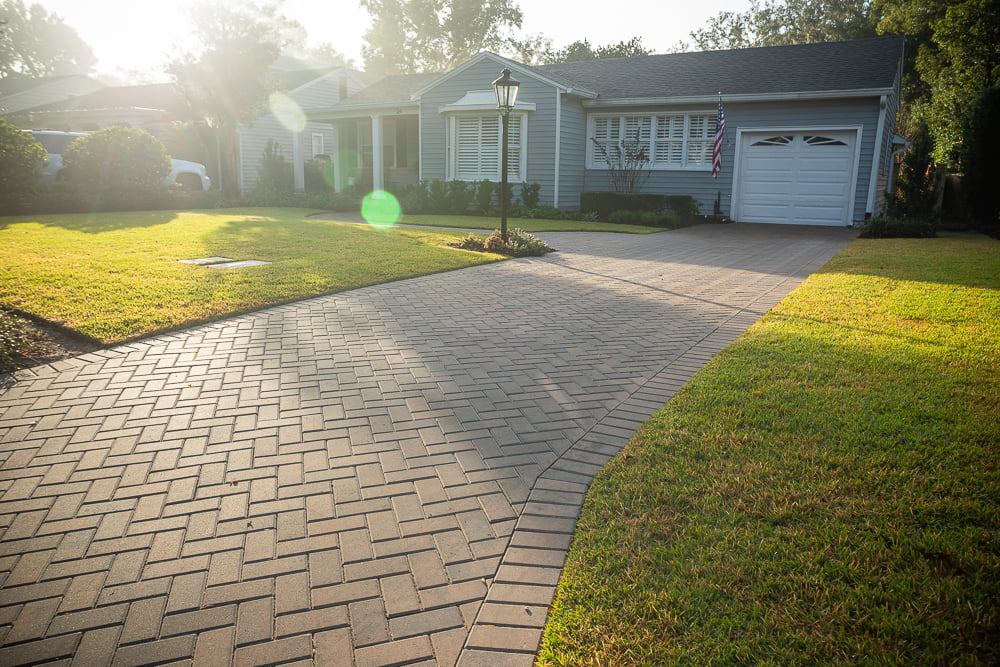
(607, 133)
(701, 136)
(669, 140)
(478, 148)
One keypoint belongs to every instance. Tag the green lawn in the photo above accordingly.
(116, 276)
(825, 491)
(527, 224)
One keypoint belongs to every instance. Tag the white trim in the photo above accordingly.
(555, 179)
(876, 155)
(481, 100)
(748, 97)
(420, 146)
(592, 164)
(734, 202)
(340, 112)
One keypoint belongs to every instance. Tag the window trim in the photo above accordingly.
(452, 152)
(594, 162)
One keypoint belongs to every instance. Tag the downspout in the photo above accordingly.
(892, 167)
(876, 156)
(555, 182)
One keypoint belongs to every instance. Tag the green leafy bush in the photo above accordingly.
(685, 206)
(13, 339)
(460, 197)
(887, 227)
(117, 157)
(530, 193)
(21, 159)
(484, 196)
(519, 244)
(471, 242)
(274, 173)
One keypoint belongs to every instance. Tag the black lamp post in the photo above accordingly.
(506, 89)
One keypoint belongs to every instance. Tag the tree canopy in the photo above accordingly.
(37, 43)
(434, 35)
(777, 22)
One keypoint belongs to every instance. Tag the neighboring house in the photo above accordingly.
(157, 107)
(809, 133)
(299, 139)
(19, 93)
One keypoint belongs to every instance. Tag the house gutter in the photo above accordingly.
(555, 181)
(876, 155)
(755, 97)
(362, 111)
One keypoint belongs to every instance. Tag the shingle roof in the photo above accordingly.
(166, 96)
(393, 89)
(828, 66)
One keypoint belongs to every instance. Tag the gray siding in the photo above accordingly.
(541, 123)
(748, 116)
(572, 160)
(885, 158)
(254, 135)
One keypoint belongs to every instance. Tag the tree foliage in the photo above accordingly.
(117, 157)
(981, 182)
(582, 50)
(954, 54)
(434, 35)
(779, 22)
(228, 81)
(37, 43)
(21, 158)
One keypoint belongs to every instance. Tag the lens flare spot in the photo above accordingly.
(380, 209)
(287, 111)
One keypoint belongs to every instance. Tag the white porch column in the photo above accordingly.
(378, 175)
(299, 167)
(337, 160)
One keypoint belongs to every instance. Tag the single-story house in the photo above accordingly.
(809, 133)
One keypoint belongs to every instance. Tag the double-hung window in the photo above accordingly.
(669, 140)
(475, 147)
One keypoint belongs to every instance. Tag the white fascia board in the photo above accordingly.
(514, 66)
(753, 97)
(359, 110)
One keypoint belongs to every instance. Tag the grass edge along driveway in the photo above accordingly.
(117, 276)
(826, 490)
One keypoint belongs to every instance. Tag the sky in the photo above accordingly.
(142, 35)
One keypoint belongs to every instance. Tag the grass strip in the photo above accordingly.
(826, 490)
(117, 276)
(532, 225)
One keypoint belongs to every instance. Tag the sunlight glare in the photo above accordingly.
(380, 209)
(287, 111)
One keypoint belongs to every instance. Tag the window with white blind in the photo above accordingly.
(475, 147)
(672, 141)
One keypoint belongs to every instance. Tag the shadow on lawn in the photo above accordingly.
(95, 223)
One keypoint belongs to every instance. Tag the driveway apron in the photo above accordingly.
(385, 476)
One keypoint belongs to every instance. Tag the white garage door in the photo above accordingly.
(796, 178)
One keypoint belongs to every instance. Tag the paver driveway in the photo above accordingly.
(389, 475)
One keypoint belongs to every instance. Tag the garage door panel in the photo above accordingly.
(799, 182)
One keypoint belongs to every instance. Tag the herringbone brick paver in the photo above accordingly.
(386, 476)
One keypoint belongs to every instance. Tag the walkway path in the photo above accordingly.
(389, 475)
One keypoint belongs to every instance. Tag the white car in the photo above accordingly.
(189, 175)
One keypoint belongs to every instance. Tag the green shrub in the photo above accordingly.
(21, 159)
(542, 213)
(484, 196)
(685, 206)
(471, 242)
(274, 173)
(519, 244)
(414, 199)
(13, 340)
(460, 197)
(530, 193)
(886, 227)
(438, 196)
(117, 157)
(605, 203)
(318, 176)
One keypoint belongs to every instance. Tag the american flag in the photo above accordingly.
(720, 127)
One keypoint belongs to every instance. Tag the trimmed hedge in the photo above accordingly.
(603, 204)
